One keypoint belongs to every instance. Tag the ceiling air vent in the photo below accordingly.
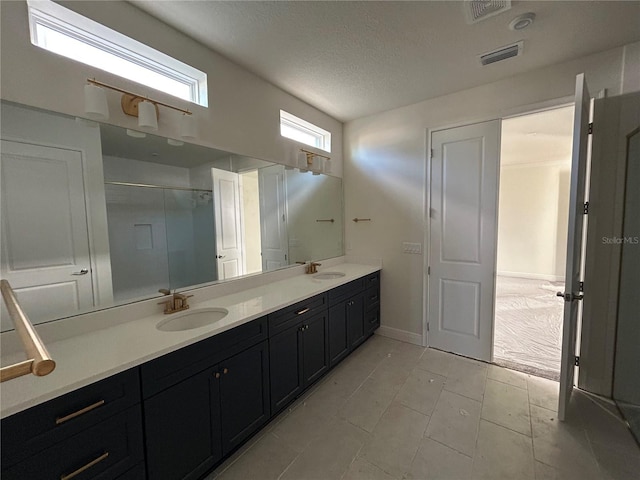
(501, 53)
(477, 10)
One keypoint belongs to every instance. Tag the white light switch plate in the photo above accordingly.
(413, 248)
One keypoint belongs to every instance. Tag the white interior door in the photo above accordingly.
(45, 244)
(228, 218)
(464, 182)
(572, 294)
(273, 218)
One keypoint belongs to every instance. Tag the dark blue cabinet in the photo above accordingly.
(298, 355)
(182, 427)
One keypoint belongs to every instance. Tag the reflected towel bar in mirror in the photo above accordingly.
(40, 362)
(327, 220)
(361, 220)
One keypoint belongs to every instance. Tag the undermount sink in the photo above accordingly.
(328, 275)
(190, 320)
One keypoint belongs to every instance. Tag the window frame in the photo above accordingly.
(66, 22)
(322, 136)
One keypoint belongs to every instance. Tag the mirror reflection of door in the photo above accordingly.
(45, 244)
(273, 218)
(228, 219)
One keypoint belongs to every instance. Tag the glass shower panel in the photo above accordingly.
(626, 387)
(137, 241)
(190, 237)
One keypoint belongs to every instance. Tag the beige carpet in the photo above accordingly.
(528, 326)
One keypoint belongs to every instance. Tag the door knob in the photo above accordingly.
(84, 271)
(568, 297)
(220, 256)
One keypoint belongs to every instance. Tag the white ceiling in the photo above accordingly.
(352, 59)
(541, 137)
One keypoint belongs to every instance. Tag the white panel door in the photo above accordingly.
(45, 244)
(229, 244)
(572, 294)
(464, 182)
(273, 217)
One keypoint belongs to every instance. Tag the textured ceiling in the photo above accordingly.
(352, 59)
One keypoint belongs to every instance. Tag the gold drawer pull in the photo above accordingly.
(84, 468)
(304, 310)
(60, 420)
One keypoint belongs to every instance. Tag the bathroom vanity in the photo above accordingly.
(132, 401)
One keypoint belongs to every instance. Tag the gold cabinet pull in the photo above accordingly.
(217, 375)
(82, 411)
(304, 310)
(85, 467)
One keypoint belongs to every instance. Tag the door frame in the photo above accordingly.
(500, 115)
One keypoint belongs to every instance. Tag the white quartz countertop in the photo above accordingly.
(95, 355)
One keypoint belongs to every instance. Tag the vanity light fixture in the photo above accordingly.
(308, 160)
(145, 108)
(95, 103)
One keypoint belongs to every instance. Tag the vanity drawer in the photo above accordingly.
(372, 280)
(37, 428)
(283, 319)
(105, 451)
(343, 292)
(372, 298)
(371, 321)
(174, 367)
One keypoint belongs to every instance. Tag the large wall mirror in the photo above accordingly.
(95, 215)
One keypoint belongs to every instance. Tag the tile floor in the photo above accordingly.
(397, 411)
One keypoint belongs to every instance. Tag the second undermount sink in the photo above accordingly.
(190, 320)
(328, 275)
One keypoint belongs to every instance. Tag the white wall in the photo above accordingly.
(532, 221)
(385, 167)
(243, 113)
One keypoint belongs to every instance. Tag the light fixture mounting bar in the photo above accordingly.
(126, 92)
(311, 154)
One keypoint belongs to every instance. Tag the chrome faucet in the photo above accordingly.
(176, 303)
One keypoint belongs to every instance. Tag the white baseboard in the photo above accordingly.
(402, 335)
(533, 276)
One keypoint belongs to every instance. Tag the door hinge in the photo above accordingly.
(431, 153)
(427, 326)
(581, 286)
(590, 128)
(576, 361)
(585, 208)
(428, 270)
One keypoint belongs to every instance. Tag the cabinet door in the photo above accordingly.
(315, 353)
(355, 320)
(244, 395)
(182, 426)
(338, 334)
(285, 354)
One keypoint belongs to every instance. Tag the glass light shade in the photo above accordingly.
(327, 166)
(317, 164)
(302, 162)
(188, 126)
(95, 102)
(147, 117)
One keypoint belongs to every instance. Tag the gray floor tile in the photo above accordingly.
(299, 428)
(329, 455)
(360, 469)
(266, 460)
(504, 375)
(455, 422)
(563, 445)
(395, 439)
(615, 463)
(507, 405)
(436, 361)
(365, 407)
(502, 454)
(421, 391)
(467, 377)
(543, 392)
(435, 461)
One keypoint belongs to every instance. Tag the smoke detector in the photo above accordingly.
(522, 21)
(501, 53)
(477, 10)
